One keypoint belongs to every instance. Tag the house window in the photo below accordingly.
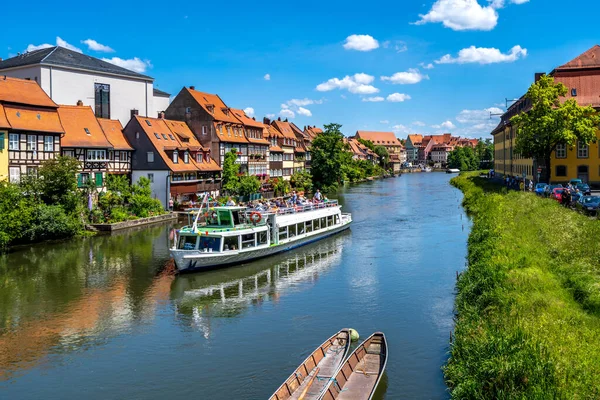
(31, 171)
(151, 178)
(199, 157)
(221, 129)
(561, 170)
(82, 179)
(204, 130)
(150, 156)
(574, 92)
(13, 141)
(96, 155)
(31, 139)
(102, 100)
(582, 150)
(175, 157)
(14, 174)
(186, 157)
(99, 179)
(561, 151)
(48, 143)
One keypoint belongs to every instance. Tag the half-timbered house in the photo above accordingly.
(84, 139)
(30, 124)
(119, 158)
(258, 146)
(273, 136)
(288, 143)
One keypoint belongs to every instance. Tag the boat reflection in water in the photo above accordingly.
(230, 292)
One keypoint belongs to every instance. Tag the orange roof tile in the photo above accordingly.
(313, 131)
(3, 121)
(276, 149)
(273, 132)
(229, 135)
(379, 138)
(29, 119)
(208, 166)
(22, 91)
(285, 129)
(588, 59)
(184, 134)
(81, 128)
(220, 111)
(244, 119)
(113, 130)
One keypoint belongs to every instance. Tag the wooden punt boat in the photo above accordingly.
(359, 376)
(309, 380)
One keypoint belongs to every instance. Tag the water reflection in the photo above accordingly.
(229, 293)
(63, 297)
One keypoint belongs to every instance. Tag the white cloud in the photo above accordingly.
(373, 99)
(409, 77)
(95, 46)
(418, 123)
(59, 42)
(385, 121)
(519, 1)
(400, 129)
(427, 66)
(471, 116)
(304, 111)
(287, 113)
(249, 111)
(267, 77)
(398, 97)
(357, 84)
(270, 116)
(462, 15)
(361, 43)
(445, 125)
(303, 102)
(483, 55)
(133, 64)
(398, 45)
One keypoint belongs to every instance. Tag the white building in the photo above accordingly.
(67, 76)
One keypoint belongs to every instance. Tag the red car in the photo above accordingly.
(557, 194)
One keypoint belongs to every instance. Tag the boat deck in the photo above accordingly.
(363, 379)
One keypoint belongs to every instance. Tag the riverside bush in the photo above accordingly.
(528, 305)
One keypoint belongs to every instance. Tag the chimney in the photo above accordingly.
(538, 75)
(79, 103)
(286, 120)
(134, 112)
(266, 121)
(279, 119)
(192, 87)
(161, 115)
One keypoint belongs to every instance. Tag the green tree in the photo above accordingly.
(329, 155)
(463, 158)
(367, 143)
(281, 187)
(15, 213)
(302, 180)
(549, 123)
(141, 202)
(231, 180)
(384, 156)
(58, 182)
(248, 184)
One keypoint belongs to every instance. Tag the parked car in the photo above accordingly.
(548, 190)
(576, 195)
(557, 194)
(575, 182)
(539, 188)
(584, 188)
(588, 204)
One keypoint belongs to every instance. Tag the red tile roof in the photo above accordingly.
(379, 138)
(22, 91)
(33, 119)
(588, 59)
(81, 128)
(229, 135)
(285, 129)
(244, 119)
(312, 131)
(3, 121)
(220, 111)
(113, 130)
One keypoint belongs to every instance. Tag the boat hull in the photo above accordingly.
(193, 260)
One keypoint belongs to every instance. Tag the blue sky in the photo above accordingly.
(309, 48)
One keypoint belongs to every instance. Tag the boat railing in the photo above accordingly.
(295, 209)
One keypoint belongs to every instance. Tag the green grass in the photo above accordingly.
(528, 305)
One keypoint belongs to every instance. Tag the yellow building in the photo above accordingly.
(3, 152)
(506, 161)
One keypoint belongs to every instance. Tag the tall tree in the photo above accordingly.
(329, 155)
(231, 180)
(367, 143)
(384, 156)
(549, 123)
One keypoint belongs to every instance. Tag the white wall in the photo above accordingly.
(160, 104)
(160, 188)
(24, 73)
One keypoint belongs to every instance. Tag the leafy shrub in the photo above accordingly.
(249, 184)
(51, 222)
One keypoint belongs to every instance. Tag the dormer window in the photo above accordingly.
(171, 137)
(175, 157)
(157, 135)
(225, 110)
(186, 157)
(210, 108)
(221, 129)
(164, 136)
(199, 157)
(229, 130)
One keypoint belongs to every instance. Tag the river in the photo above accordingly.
(98, 317)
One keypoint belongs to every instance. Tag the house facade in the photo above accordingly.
(360, 151)
(274, 137)
(170, 156)
(30, 128)
(212, 122)
(119, 157)
(258, 146)
(413, 143)
(288, 143)
(581, 76)
(390, 142)
(68, 76)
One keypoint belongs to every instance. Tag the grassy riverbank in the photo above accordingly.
(528, 323)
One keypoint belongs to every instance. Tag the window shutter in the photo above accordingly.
(1, 141)
(98, 179)
(79, 180)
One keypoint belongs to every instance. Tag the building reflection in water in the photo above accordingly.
(228, 293)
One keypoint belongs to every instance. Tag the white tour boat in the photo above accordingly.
(233, 235)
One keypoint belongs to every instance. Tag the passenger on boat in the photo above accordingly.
(230, 202)
(318, 195)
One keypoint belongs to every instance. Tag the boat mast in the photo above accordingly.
(195, 224)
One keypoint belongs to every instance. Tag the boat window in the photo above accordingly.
(300, 228)
(236, 218)
(323, 222)
(188, 242)
(308, 226)
(337, 219)
(292, 231)
(209, 244)
(316, 225)
(330, 220)
(248, 240)
(283, 234)
(263, 238)
(231, 243)
(225, 217)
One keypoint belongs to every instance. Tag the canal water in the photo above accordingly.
(99, 318)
